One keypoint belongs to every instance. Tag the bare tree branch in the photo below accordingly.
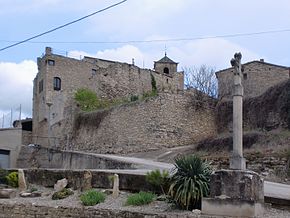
(202, 78)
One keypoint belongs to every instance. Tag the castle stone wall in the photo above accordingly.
(258, 76)
(168, 120)
(109, 80)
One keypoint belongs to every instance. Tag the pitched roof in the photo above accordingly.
(251, 62)
(166, 59)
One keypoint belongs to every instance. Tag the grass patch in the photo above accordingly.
(92, 197)
(140, 198)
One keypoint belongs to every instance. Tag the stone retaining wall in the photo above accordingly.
(165, 121)
(100, 179)
(36, 211)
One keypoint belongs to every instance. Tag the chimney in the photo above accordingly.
(262, 60)
(48, 50)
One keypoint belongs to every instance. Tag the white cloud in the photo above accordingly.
(16, 85)
(212, 52)
(122, 54)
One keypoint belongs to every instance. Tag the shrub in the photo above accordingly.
(158, 179)
(33, 189)
(62, 194)
(92, 197)
(190, 182)
(140, 198)
(153, 83)
(87, 99)
(12, 179)
(134, 98)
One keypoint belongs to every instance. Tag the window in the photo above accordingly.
(94, 72)
(56, 83)
(50, 62)
(245, 76)
(40, 86)
(166, 70)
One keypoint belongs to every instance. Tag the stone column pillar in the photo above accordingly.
(237, 162)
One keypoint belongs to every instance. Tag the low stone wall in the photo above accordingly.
(39, 157)
(100, 179)
(168, 120)
(36, 211)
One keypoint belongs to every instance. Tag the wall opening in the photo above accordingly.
(50, 62)
(56, 83)
(166, 70)
(40, 86)
(4, 158)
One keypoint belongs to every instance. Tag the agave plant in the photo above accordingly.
(190, 181)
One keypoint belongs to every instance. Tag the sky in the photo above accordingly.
(208, 23)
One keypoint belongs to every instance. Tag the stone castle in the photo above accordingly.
(173, 118)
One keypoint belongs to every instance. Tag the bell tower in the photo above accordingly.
(165, 65)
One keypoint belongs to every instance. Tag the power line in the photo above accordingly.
(62, 26)
(161, 40)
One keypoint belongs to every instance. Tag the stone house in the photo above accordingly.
(59, 77)
(258, 76)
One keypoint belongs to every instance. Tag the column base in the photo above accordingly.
(231, 207)
(237, 163)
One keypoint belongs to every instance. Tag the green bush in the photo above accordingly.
(134, 98)
(190, 182)
(87, 99)
(140, 198)
(153, 83)
(12, 179)
(92, 197)
(62, 194)
(158, 179)
(33, 189)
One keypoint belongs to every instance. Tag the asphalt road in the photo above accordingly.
(276, 190)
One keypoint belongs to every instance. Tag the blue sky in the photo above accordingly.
(137, 20)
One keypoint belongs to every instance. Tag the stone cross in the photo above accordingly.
(237, 162)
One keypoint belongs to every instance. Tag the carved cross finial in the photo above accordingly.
(236, 63)
(165, 49)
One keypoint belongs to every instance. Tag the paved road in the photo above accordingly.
(276, 190)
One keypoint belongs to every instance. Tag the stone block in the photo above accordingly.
(237, 184)
(116, 190)
(22, 186)
(87, 182)
(60, 184)
(7, 193)
(237, 163)
(231, 207)
(235, 193)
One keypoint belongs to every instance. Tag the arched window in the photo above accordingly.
(166, 70)
(56, 83)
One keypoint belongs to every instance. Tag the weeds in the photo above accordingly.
(140, 198)
(92, 197)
